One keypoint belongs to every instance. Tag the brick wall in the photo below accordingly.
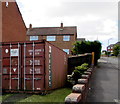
(59, 41)
(0, 21)
(13, 27)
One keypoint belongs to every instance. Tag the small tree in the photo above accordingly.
(107, 53)
(116, 50)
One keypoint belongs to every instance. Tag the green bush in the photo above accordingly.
(88, 47)
(107, 53)
(79, 70)
(116, 50)
(82, 68)
(85, 65)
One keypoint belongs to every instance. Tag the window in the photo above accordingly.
(66, 50)
(51, 38)
(33, 38)
(66, 38)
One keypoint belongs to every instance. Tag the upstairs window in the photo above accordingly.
(32, 38)
(66, 38)
(51, 38)
(67, 51)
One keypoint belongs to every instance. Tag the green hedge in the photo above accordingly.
(79, 70)
(87, 47)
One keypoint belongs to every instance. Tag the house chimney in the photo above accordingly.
(61, 25)
(30, 26)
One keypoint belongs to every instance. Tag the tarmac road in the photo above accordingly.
(104, 82)
(111, 60)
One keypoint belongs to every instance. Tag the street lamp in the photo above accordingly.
(109, 40)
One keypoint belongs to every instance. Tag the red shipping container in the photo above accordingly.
(33, 66)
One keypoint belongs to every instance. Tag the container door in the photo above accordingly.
(33, 67)
(11, 67)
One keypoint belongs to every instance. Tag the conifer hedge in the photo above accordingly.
(81, 47)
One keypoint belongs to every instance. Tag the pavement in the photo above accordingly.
(104, 82)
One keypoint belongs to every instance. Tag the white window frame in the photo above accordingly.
(67, 51)
(33, 38)
(66, 36)
(48, 38)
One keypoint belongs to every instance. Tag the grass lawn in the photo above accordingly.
(56, 96)
(3, 97)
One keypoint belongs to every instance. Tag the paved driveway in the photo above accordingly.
(104, 82)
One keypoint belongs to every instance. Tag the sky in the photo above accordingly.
(95, 19)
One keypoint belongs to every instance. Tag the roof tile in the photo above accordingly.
(52, 30)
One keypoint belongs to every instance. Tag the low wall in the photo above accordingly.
(81, 89)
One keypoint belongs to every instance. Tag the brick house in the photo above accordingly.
(12, 26)
(110, 48)
(62, 37)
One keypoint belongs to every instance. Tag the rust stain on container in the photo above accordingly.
(33, 66)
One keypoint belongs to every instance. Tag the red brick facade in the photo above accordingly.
(110, 48)
(58, 32)
(0, 22)
(13, 26)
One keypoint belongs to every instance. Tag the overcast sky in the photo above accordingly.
(94, 19)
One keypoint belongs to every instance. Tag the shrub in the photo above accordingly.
(70, 81)
(88, 47)
(116, 50)
(79, 70)
(85, 65)
(76, 74)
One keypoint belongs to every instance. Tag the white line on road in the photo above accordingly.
(117, 101)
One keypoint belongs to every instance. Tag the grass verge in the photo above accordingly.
(56, 96)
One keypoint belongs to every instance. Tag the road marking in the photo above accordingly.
(117, 101)
(102, 61)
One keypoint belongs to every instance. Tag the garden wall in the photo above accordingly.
(78, 60)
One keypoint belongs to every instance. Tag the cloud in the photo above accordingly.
(109, 27)
(94, 19)
(93, 1)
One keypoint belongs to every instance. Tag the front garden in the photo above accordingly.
(55, 96)
(76, 74)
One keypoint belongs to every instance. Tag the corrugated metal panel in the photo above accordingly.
(33, 66)
(11, 67)
(56, 63)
